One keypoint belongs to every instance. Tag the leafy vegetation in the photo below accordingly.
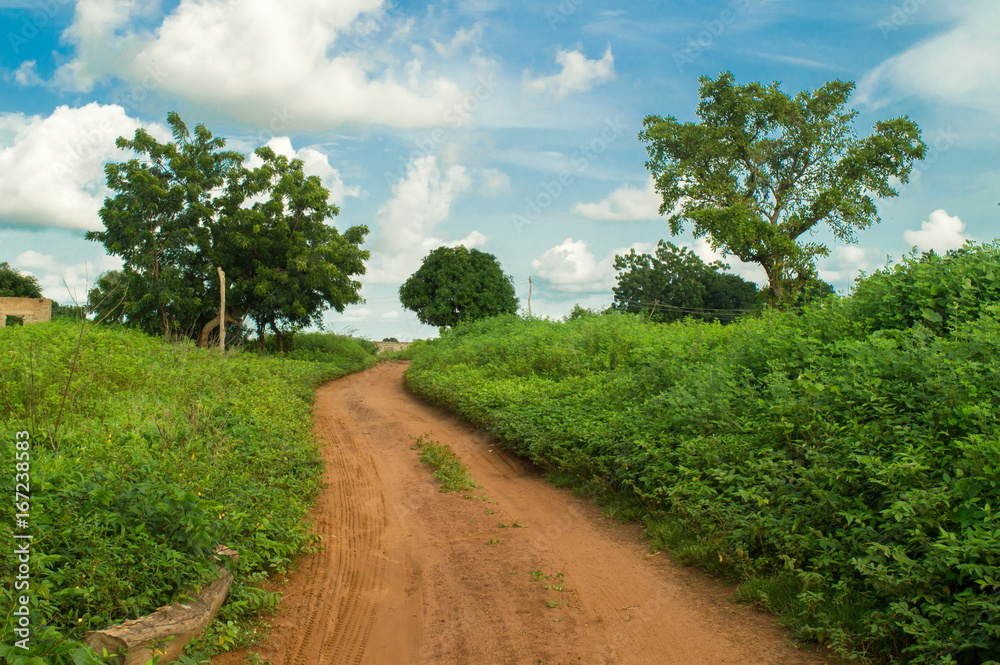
(15, 284)
(456, 284)
(448, 467)
(674, 283)
(842, 462)
(933, 290)
(146, 456)
(761, 169)
(182, 210)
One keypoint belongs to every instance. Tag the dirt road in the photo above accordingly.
(412, 575)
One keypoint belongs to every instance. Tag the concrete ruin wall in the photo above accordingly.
(390, 347)
(32, 310)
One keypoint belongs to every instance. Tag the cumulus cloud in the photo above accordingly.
(65, 283)
(578, 74)
(960, 66)
(571, 266)
(625, 204)
(494, 183)
(407, 221)
(27, 74)
(462, 38)
(52, 168)
(266, 62)
(940, 233)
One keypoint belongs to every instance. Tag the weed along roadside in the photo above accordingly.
(146, 455)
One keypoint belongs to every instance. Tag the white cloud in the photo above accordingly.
(625, 204)
(578, 74)
(463, 37)
(52, 168)
(267, 63)
(845, 263)
(940, 233)
(407, 221)
(494, 183)
(960, 66)
(570, 266)
(474, 239)
(65, 283)
(419, 202)
(27, 74)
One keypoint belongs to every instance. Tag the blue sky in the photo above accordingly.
(506, 126)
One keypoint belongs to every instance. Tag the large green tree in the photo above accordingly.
(456, 284)
(674, 283)
(15, 284)
(761, 169)
(185, 208)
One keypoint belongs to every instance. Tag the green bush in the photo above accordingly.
(849, 478)
(324, 347)
(145, 456)
(935, 291)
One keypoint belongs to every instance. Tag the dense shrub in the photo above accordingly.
(930, 289)
(145, 456)
(849, 477)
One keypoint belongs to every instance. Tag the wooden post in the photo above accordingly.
(222, 310)
(656, 303)
(529, 296)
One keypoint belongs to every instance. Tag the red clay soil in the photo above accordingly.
(412, 575)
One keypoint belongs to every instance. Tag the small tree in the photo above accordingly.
(675, 283)
(456, 284)
(761, 169)
(14, 284)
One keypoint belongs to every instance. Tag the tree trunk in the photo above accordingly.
(165, 632)
(261, 331)
(279, 337)
(213, 324)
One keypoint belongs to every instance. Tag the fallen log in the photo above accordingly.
(165, 632)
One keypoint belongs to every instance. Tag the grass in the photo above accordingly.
(145, 455)
(448, 468)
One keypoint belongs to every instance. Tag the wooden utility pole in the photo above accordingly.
(656, 303)
(222, 310)
(529, 296)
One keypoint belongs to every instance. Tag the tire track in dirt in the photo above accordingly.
(410, 575)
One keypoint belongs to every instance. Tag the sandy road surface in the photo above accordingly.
(411, 575)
